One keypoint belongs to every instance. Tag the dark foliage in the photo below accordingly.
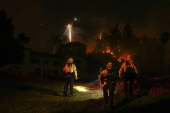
(73, 48)
(147, 52)
(11, 49)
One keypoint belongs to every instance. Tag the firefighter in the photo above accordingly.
(108, 81)
(70, 74)
(128, 71)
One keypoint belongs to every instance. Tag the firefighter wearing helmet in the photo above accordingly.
(108, 80)
(70, 74)
(128, 71)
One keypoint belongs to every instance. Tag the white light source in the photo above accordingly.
(81, 88)
(69, 30)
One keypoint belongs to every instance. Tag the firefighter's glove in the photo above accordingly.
(103, 84)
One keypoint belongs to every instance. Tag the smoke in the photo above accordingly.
(124, 55)
(29, 17)
(153, 20)
(43, 17)
(156, 20)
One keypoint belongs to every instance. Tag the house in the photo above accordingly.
(49, 65)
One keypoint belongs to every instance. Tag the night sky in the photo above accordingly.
(39, 18)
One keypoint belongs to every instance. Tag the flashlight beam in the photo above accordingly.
(81, 88)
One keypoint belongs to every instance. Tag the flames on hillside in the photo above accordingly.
(120, 58)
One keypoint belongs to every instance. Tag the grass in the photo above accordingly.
(22, 97)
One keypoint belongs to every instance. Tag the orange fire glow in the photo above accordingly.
(123, 56)
(100, 37)
(109, 51)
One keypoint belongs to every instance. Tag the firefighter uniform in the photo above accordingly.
(70, 74)
(108, 80)
(128, 72)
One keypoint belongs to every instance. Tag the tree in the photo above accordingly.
(147, 56)
(129, 40)
(115, 40)
(54, 42)
(12, 51)
(98, 47)
(23, 39)
(102, 43)
(163, 39)
(105, 41)
(128, 34)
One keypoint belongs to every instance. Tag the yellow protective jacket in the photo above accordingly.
(124, 67)
(71, 69)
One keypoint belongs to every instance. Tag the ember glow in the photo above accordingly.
(123, 56)
(100, 36)
(107, 50)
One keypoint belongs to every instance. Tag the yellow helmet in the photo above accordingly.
(70, 60)
(129, 56)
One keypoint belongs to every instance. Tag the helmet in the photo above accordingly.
(70, 60)
(109, 65)
(129, 56)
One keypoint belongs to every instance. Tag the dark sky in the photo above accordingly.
(39, 18)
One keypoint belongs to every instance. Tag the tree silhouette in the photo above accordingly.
(23, 39)
(102, 43)
(53, 42)
(163, 39)
(10, 48)
(73, 48)
(98, 47)
(115, 40)
(147, 56)
(105, 41)
(128, 39)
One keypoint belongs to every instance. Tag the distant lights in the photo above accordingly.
(75, 19)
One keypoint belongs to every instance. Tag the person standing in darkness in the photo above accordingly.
(128, 71)
(70, 74)
(108, 80)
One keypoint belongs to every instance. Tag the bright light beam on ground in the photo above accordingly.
(81, 88)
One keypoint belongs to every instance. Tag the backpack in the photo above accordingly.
(129, 69)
